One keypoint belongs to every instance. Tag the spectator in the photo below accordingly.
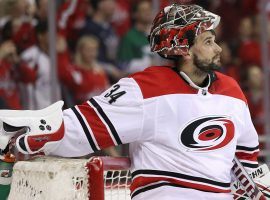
(99, 26)
(71, 19)
(12, 71)
(13, 9)
(85, 77)
(134, 51)
(254, 96)
(121, 19)
(38, 95)
(17, 26)
(249, 50)
(42, 10)
(230, 21)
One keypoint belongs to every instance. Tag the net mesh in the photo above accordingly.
(63, 179)
(117, 185)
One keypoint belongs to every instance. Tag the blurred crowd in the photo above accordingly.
(101, 41)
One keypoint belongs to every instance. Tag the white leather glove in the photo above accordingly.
(35, 131)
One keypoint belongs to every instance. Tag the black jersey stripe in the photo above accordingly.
(85, 129)
(181, 176)
(107, 121)
(249, 165)
(157, 185)
(244, 148)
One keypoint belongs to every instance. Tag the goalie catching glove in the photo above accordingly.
(261, 177)
(34, 131)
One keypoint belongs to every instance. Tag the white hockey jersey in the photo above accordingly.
(182, 138)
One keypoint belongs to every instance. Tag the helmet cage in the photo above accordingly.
(176, 26)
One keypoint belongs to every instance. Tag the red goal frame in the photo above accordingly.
(96, 167)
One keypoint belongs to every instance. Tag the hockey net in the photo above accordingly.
(46, 178)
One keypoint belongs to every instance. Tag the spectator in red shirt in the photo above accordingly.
(249, 50)
(254, 96)
(85, 76)
(12, 71)
(121, 20)
(18, 27)
(71, 18)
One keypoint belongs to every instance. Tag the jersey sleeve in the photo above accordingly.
(113, 118)
(247, 148)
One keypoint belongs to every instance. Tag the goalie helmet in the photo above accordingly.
(175, 28)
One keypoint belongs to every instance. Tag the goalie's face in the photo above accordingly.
(205, 53)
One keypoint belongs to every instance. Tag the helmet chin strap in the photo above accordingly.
(192, 84)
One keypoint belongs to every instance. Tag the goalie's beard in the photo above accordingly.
(205, 66)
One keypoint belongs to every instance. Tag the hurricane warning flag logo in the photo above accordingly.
(207, 133)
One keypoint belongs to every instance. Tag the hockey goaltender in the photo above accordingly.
(188, 125)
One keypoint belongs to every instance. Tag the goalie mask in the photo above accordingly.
(175, 28)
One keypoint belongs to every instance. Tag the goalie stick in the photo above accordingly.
(250, 187)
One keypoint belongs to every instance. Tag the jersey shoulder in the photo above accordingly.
(226, 85)
(160, 80)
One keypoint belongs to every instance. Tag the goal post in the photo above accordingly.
(104, 180)
(46, 178)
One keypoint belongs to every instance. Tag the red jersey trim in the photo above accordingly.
(163, 80)
(106, 120)
(98, 128)
(247, 156)
(247, 153)
(86, 130)
(227, 86)
(143, 180)
(36, 142)
(141, 184)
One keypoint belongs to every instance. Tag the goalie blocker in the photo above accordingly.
(34, 131)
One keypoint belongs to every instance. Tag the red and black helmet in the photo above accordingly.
(176, 26)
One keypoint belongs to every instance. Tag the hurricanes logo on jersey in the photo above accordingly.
(207, 133)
